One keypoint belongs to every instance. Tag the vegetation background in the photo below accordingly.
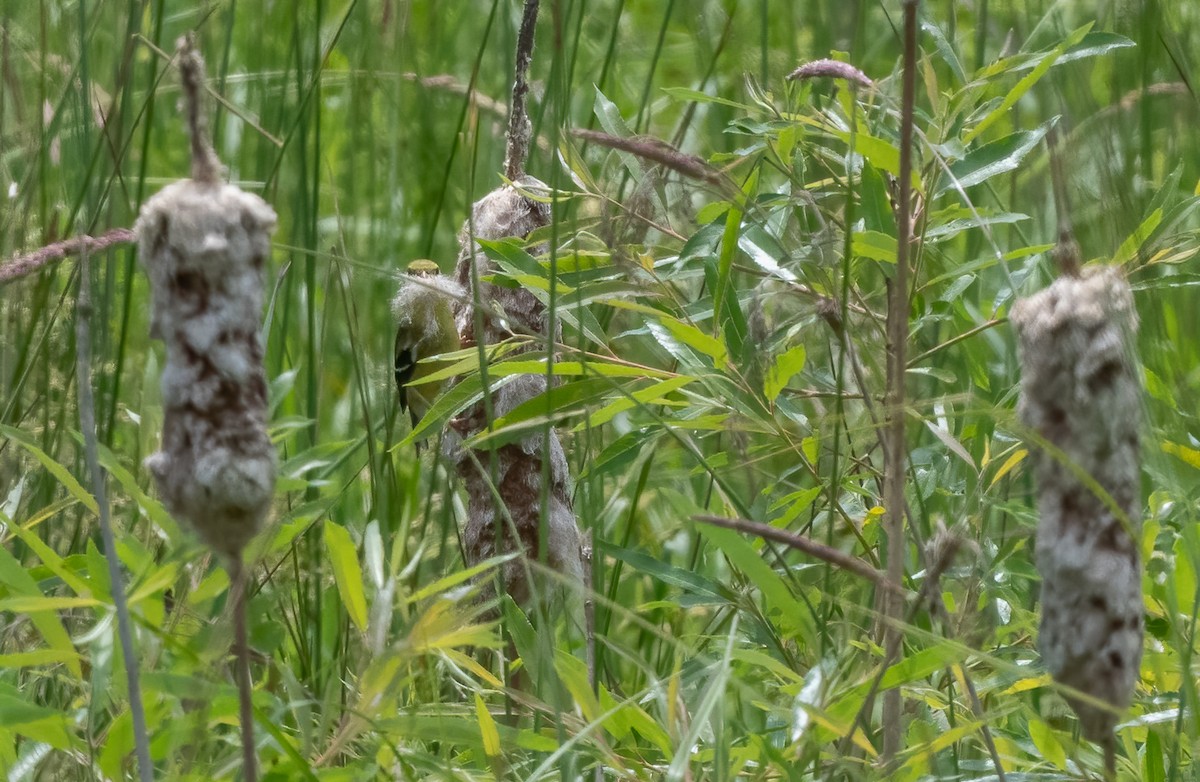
(710, 380)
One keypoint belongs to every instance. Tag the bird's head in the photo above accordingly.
(422, 267)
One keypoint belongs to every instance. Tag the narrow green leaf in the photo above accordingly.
(787, 365)
(47, 622)
(912, 668)
(577, 167)
(690, 581)
(1047, 743)
(750, 562)
(29, 605)
(1025, 84)
(1133, 243)
(39, 723)
(683, 93)
(574, 675)
(152, 508)
(52, 560)
(60, 473)
(610, 116)
(1183, 577)
(729, 243)
(995, 158)
(945, 50)
(347, 573)
(1092, 45)
(1153, 763)
(487, 728)
(697, 340)
(874, 245)
(655, 394)
(1185, 453)
(875, 206)
(39, 657)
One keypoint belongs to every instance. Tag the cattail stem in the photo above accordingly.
(897, 334)
(1066, 250)
(205, 165)
(240, 587)
(87, 425)
(205, 245)
(520, 130)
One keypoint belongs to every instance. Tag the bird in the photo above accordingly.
(424, 310)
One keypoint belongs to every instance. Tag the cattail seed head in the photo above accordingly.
(204, 246)
(1080, 394)
(532, 478)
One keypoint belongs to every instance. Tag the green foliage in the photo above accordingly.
(724, 354)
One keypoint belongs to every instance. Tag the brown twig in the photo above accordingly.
(28, 264)
(448, 82)
(809, 546)
(897, 333)
(655, 150)
(520, 130)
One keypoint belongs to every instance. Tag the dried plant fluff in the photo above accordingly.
(504, 213)
(204, 245)
(521, 468)
(1080, 393)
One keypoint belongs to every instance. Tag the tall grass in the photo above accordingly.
(710, 382)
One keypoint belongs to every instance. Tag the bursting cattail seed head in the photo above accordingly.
(521, 468)
(504, 213)
(204, 246)
(1080, 393)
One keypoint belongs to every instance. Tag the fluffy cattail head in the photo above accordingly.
(506, 212)
(204, 247)
(1080, 394)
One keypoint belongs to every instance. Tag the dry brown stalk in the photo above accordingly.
(897, 335)
(655, 150)
(1066, 251)
(520, 129)
(23, 265)
(833, 556)
(205, 165)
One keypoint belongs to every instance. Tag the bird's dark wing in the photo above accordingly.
(406, 367)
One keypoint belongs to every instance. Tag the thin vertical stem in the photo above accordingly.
(1066, 252)
(897, 335)
(241, 595)
(87, 425)
(519, 127)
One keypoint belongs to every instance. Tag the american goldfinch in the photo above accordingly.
(424, 327)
